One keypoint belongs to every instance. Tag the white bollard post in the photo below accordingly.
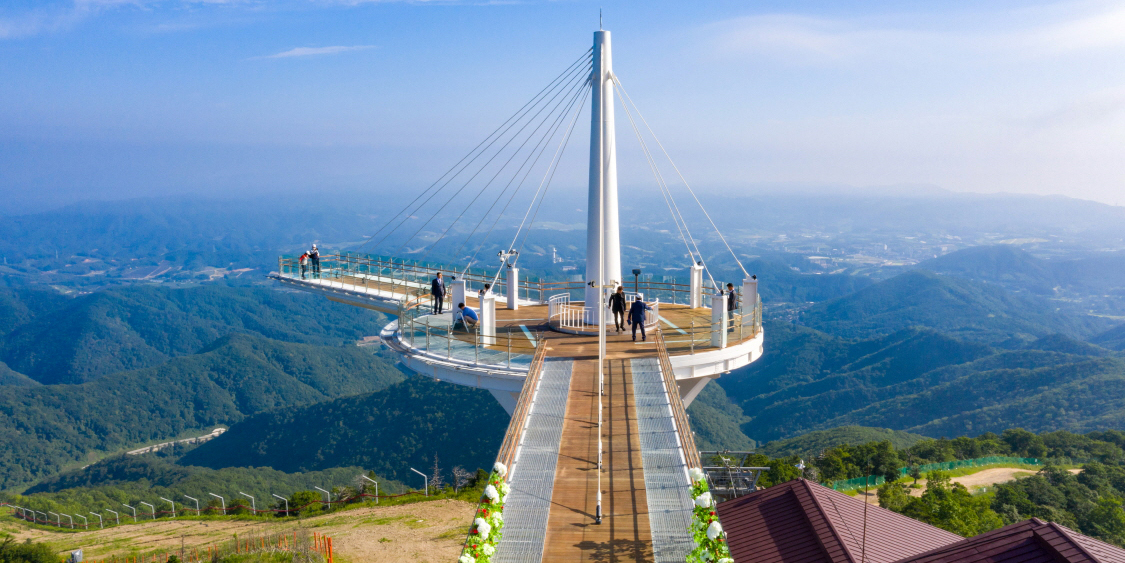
(749, 299)
(513, 288)
(719, 321)
(696, 299)
(459, 289)
(488, 320)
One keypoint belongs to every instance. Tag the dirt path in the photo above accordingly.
(985, 478)
(426, 531)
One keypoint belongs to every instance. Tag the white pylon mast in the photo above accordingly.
(603, 234)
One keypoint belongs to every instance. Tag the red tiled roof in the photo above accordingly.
(1030, 541)
(801, 521)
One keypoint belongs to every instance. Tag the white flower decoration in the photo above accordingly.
(714, 530)
(707, 556)
(488, 550)
(466, 559)
(504, 488)
(500, 469)
(491, 493)
(703, 500)
(483, 528)
(696, 474)
(726, 560)
(497, 518)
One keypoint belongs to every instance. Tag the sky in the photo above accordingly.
(109, 99)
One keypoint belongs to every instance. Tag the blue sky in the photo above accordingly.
(108, 98)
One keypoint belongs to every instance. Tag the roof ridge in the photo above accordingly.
(828, 521)
(1074, 541)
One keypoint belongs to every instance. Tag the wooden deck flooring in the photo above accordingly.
(624, 533)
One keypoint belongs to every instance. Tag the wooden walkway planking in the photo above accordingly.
(624, 533)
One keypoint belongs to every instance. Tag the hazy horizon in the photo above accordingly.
(111, 99)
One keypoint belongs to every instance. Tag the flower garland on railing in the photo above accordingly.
(485, 533)
(710, 540)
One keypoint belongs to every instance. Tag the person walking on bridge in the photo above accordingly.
(637, 317)
(437, 290)
(617, 306)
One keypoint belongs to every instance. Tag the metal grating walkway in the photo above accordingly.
(666, 480)
(533, 473)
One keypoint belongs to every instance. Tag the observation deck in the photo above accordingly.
(700, 347)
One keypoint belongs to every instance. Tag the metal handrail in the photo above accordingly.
(679, 412)
(514, 434)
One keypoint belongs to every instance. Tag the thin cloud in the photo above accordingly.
(315, 51)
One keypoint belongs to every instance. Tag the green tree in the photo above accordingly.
(304, 503)
(893, 496)
(1107, 520)
(27, 552)
(951, 507)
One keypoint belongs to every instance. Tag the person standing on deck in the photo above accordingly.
(437, 290)
(732, 305)
(304, 260)
(314, 255)
(637, 317)
(617, 305)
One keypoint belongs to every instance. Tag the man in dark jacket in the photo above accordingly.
(437, 290)
(617, 306)
(637, 317)
(732, 305)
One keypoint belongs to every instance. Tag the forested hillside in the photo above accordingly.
(926, 382)
(52, 426)
(388, 431)
(962, 308)
(54, 339)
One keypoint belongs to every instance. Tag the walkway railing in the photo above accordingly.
(436, 336)
(679, 412)
(397, 275)
(564, 316)
(523, 406)
(696, 336)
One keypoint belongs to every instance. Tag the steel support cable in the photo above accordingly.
(660, 179)
(552, 167)
(570, 76)
(541, 147)
(684, 180)
(556, 160)
(664, 191)
(515, 116)
(530, 136)
(475, 174)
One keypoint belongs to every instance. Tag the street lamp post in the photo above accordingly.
(222, 500)
(327, 495)
(376, 487)
(286, 503)
(100, 525)
(253, 505)
(150, 507)
(115, 515)
(196, 504)
(425, 479)
(85, 522)
(71, 520)
(134, 511)
(637, 280)
(57, 517)
(171, 503)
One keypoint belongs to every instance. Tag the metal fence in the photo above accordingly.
(876, 480)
